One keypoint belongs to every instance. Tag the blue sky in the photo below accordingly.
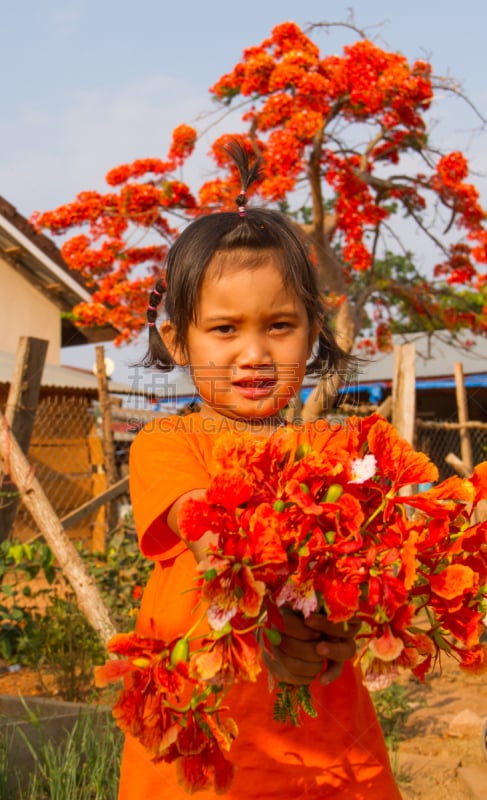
(88, 84)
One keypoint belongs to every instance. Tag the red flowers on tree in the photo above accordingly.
(111, 252)
(353, 128)
(310, 520)
(351, 131)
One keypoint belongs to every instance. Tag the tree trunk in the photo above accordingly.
(322, 399)
(330, 279)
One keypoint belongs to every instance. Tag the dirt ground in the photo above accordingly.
(440, 740)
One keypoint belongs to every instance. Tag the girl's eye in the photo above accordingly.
(281, 326)
(223, 328)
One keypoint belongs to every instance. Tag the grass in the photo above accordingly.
(5, 792)
(392, 706)
(85, 765)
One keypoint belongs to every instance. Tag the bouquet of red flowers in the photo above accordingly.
(312, 519)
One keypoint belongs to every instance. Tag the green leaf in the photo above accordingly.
(16, 551)
(291, 701)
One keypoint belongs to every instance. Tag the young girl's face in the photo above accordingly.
(250, 341)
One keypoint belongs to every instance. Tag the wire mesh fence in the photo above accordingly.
(439, 439)
(66, 454)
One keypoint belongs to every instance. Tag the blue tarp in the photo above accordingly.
(375, 390)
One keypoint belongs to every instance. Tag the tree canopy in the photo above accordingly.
(348, 148)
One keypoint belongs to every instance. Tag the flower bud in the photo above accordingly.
(180, 652)
(273, 635)
(302, 450)
(335, 491)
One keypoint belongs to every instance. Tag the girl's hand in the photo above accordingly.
(337, 643)
(310, 647)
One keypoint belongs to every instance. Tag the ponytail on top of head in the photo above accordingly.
(249, 173)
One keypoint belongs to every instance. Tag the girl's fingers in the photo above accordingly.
(338, 650)
(311, 647)
(299, 650)
(291, 670)
(296, 627)
(339, 630)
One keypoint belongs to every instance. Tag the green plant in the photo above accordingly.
(44, 628)
(84, 765)
(392, 706)
(5, 791)
(20, 564)
(121, 572)
(68, 646)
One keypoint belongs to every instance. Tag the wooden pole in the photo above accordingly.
(453, 461)
(385, 408)
(404, 391)
(404, 396)
(108, 443)
(84, 587)
(462, 411)
(80, 513)
(22, 401)
(99, 484)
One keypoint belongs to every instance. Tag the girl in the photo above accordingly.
(244, 315)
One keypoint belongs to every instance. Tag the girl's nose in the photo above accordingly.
(254, 352)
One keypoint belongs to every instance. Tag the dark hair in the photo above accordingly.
(248, 234)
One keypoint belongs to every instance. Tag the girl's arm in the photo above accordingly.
(199, 548)
(306, 645)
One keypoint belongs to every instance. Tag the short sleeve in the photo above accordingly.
(167, 460)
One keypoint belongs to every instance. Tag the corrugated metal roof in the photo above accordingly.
(61, 377)
(38, 259)
(171, 387)
(434, 358)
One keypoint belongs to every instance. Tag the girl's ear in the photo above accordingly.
(169, 338)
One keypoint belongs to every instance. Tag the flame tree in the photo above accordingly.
(348, 153)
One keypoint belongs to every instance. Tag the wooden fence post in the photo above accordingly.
(20, 411)
(404, 391)
(462, 411)
(404, 395)
(83, 584)
(108, 444)
(99, 484)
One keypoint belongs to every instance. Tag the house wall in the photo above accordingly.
(24, 311)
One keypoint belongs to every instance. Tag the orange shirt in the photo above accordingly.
(339, 755)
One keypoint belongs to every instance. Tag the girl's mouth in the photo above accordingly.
(255, 388)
